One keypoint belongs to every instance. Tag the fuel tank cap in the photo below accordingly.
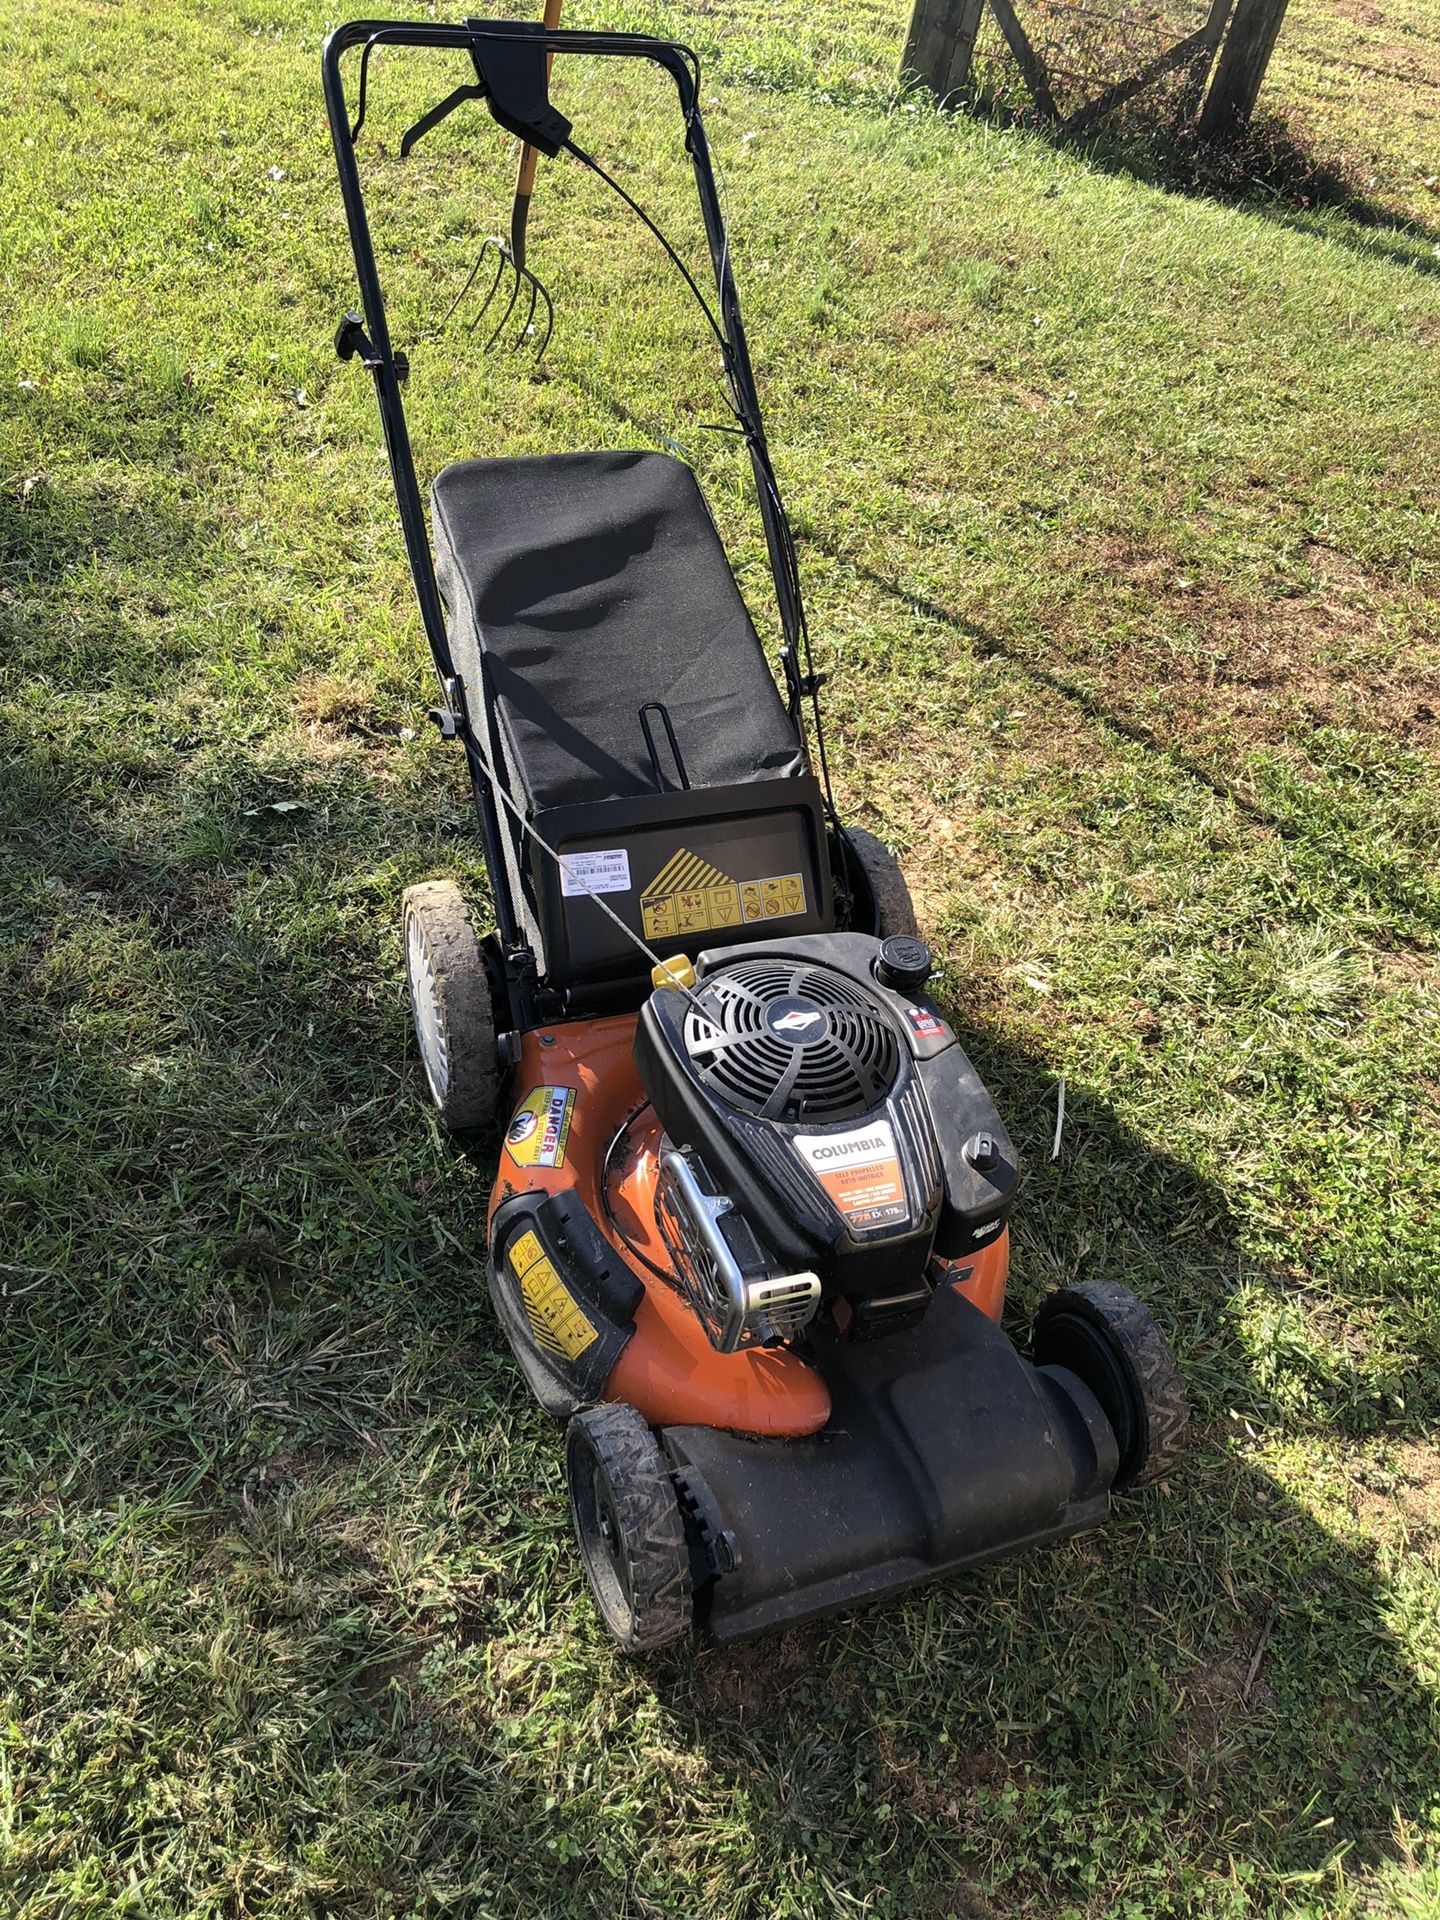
(904, 963)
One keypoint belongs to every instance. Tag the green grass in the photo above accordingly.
(1118, 513)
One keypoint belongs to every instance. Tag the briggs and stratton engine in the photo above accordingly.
(829, 1146)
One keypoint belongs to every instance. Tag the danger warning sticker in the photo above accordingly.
(540, 1130)
(559, 1326)
(860, 1171)
(689, 895)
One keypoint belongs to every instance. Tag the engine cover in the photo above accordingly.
(833, 1112)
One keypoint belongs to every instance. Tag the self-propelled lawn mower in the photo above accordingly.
(748, 1237)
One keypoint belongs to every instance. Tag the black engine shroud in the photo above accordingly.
(840, 1116)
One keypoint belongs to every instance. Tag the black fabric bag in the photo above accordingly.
(590, 584)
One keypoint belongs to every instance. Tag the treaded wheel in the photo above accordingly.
(1101, 1332)
(894, 911)
(450, 1005)
(627, 1522)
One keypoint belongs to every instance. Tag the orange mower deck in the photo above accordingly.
(606, 1150)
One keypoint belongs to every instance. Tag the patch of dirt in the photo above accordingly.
(1260, 668)
(953, 875)
(917, 323)
(752, 1682)
(940, 854)
(334, 711)
(1216, 1433)
(331, 701)
(1219, 1696)
(1409, 1494)
(187, 910)
(1404, 967)
(386, 1677)
(958, 1899)
(938, 1788)
(256, 1253)
(1419, 1491)
(1364, 13)
(191, 912)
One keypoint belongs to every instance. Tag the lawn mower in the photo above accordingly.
(748, 1238)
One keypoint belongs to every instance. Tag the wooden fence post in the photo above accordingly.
(1241, 66)
(941, 44)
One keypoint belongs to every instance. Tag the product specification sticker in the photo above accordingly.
(559, 1326)
(860, 1172)
(605, 872)
(689, 895)
(924, 1024)
(540, 1129)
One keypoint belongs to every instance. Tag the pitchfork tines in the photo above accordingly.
(526, 293)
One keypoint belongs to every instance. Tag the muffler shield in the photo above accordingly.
(737, 1309)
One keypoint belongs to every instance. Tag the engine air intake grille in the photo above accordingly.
(789, 1041)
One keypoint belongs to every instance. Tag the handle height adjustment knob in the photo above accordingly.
(982, 1150)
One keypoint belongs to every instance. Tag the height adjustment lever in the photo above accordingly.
(351, 338)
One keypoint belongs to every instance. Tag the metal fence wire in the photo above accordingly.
(1081, 62)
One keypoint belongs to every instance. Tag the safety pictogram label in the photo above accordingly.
(559, 1327)
(860, 1172)
(540, 1129)
(689, 895)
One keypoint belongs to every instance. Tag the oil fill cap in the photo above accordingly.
(904, 963)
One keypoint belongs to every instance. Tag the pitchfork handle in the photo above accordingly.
(525, 173)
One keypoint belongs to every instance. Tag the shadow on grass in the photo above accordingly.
(1268, 169)
(54, 526)
(303, 1632)
(1216, 1676)
(1335, 842)
(1207, 1702)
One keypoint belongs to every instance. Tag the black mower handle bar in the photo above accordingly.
(678, 60)
(473, 37)
(511, 65)
(502, 80)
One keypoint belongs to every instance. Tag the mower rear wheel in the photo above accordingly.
(628, 1525)
(1102, 1333)
(451, 1005)
(894, 910)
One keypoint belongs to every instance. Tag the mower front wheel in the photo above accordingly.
(451, 1005)
(1110, 1340)
(628, 1526)
(893, 911)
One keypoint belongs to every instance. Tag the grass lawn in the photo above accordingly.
(1119, 511)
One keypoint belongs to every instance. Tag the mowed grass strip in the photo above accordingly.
(1118, 520)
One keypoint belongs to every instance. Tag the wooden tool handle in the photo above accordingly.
(525, 175)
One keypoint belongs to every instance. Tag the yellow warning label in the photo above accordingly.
(782, 896)
(539, 1130)
(690, 896)
(558, 1324)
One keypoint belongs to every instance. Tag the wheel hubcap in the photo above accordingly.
(425, 1011)
(601, 1544)
(1072, 1342)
